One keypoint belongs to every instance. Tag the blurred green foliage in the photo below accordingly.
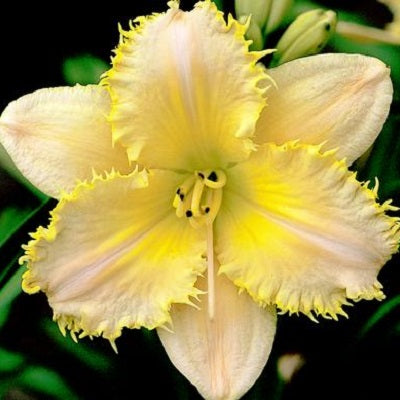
(84, 354)
(8, 293)
(84, 69)
(10, 361)
(45, 381)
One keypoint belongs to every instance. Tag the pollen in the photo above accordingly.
(199, 197)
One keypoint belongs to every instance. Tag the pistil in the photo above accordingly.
(210, 272)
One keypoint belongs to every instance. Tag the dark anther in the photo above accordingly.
(201, 175)
(207, 210)
(181, 196)
(178, 191)
(212, 177)
(327, 27)
(189, 213)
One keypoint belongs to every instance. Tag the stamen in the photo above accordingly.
(178, 198)
(183, 206)
(210, 272)
(208, 199)
(176, 201)
(212, 177)
(199, 197)
(196, 223)
(181, 198)
(216, 179)
(187, 185)
(196, 197)
(215, 205)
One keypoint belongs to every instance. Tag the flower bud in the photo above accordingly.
(277, 13)
(394, 7)
(258, 9)
(308, 34)
(253, 33)
(267, 14)
(368, 34)
(288, 365)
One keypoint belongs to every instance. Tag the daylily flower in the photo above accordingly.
(197, 197)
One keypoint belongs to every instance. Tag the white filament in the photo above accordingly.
(210, 272)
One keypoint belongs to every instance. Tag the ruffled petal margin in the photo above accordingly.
(184, 83)
(296, 229)
(113, 255)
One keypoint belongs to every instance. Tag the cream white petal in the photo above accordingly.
(340, 99)
(56, 136)
(184, 90)
(113, 255)
(297, 230)
(222, 358)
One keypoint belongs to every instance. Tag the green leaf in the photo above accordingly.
(301, 6)
(8, 293)
(11, 218)
(11, 221)
(10, 361)
(8, 165)
(383, 161)
(86, 355)
(219, 4)
(84, 69)
(384, 310)
(352, 17)
(46, 381)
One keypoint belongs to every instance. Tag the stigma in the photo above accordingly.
(199, 197)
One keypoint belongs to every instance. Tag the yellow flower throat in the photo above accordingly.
(199, 197)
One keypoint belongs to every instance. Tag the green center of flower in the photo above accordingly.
(199, 197)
